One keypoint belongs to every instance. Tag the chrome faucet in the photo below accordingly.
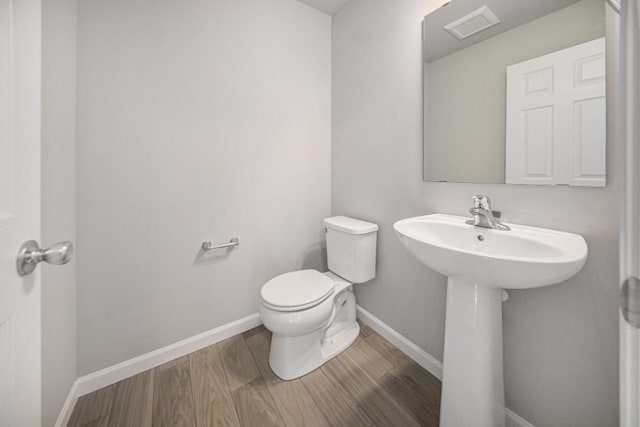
(483, 216)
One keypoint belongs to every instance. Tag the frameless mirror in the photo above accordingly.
(514, 92)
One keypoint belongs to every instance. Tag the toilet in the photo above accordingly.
(312, 315)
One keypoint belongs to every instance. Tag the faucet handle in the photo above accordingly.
(481, 201)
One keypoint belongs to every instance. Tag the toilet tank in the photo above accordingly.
(351, 248)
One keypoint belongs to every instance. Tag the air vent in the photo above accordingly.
(473, 23)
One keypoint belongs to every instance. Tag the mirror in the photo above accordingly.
(514, 92)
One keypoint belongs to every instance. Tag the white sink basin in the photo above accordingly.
(524, 257)
(479, 263)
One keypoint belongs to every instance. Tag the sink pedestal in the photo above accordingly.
(480, 263)
(472, 379)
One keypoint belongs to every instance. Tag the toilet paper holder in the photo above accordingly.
(208, 246)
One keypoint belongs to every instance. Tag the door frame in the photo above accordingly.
(629, 370)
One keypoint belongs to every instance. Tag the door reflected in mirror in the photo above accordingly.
(514, 92)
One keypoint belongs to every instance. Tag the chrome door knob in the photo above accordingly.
(30, 255)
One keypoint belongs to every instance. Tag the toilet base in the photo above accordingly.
(293, 357)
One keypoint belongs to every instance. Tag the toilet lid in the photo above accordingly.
(297, 289)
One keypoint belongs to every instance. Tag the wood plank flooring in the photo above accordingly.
(230, 384)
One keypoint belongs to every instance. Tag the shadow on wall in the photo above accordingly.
(315, 257)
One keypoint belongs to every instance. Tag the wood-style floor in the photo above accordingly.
(231, 384)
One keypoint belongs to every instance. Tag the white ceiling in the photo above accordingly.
(438, 43)
(327, 6)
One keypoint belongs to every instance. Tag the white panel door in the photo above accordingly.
(19, 211)
(556, 118)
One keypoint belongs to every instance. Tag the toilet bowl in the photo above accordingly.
(312, 315)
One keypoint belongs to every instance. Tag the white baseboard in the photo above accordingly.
(421, 357)
(515, 420)
(131, 367)
(67, 407)
(104, 377)
(107, 376)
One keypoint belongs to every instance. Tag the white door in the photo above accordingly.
(19, 211)
(556, 118)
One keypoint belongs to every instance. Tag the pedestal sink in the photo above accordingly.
(479, 263)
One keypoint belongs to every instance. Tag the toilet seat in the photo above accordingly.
(298, 290)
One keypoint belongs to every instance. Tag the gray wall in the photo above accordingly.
(466, 92)
(196, 120)
(560, 342)
(58, 202)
